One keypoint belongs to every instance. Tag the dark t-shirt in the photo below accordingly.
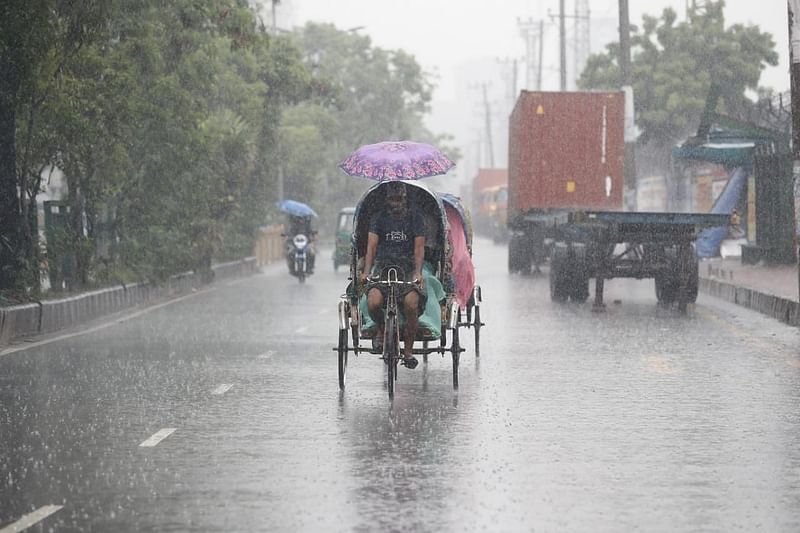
(396, 235)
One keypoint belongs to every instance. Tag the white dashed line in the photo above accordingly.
(157, 437)
(31, 519)
(301, 330)
(222, 389)
(266, 355)
(324, 311)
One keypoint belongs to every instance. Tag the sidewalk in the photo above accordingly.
(772, 290)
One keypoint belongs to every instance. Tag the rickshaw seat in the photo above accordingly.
(430, 322)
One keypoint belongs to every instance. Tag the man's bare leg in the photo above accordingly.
(411, 308)
(374, 305)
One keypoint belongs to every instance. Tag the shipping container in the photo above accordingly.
(566, 150)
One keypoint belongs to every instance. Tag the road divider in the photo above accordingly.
(48, 316)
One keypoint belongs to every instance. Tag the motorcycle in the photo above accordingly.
(300, 257)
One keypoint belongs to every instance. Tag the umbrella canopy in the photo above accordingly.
(296, 209)
(396, 160)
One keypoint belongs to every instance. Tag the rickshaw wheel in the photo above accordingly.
(455, 350)
(391, 353)
(342, 357)
(355, 337)
(477, 324)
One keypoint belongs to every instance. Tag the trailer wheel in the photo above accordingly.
(690, 271)
(666, 288)
(579, 288)
(668, 282)
(519, 259)
(559, 279)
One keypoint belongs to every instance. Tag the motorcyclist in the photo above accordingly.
(296, 226)
(397, 238)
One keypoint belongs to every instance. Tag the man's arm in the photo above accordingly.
(419, 256)
(369, 258)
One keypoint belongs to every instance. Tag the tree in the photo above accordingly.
(37, 37)
(368, 95)
(675, 63)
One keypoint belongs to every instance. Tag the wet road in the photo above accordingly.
(221, 411)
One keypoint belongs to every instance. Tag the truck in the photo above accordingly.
(489, 193)
(565, 203)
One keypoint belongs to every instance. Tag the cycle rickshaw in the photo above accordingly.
(442, 313)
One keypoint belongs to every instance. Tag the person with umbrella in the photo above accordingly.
(397, 235)
(397, 238)
(299, 217)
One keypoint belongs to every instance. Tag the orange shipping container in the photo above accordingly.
(566, 150)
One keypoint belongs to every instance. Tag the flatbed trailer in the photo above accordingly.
(614, 244)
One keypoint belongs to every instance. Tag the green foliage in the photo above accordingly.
(674, 64)
(360, 94)
(172, 122)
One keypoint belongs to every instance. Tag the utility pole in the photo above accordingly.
(511, 78)
(562, 41)
(541, 56)
(488, 119)
(280, 183)
(627, 87)
(533, 33)
(487, 123)
(794, 59)
(274, 18)
(583, 42)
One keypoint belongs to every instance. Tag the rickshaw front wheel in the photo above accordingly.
(342, 357)
(391, 352)
(455, 350)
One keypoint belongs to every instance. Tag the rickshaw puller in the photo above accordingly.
(397, 238)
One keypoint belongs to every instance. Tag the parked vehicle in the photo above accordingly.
(566, 155)
(344, 234)
(490, 196)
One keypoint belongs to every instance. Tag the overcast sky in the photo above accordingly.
(445, 33)
(464, 43)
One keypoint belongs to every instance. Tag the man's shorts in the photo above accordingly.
(408, 268)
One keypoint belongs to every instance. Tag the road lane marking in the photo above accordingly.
(267, 354)
(157, 437)
(222, 389)
(323, 311)
(31, 519)
(301, 329)
(658, 364)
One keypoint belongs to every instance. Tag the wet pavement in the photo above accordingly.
(638, 418)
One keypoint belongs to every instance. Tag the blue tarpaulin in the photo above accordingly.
(709, 240)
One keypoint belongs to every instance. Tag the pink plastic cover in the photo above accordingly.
(463, 269)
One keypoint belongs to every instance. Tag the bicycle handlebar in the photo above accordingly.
(379, 281)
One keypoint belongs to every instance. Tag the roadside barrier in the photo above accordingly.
(48, 316)
(782, 309)
(269, 246)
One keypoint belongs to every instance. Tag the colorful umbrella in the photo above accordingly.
(295, 208)
(396, 160)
